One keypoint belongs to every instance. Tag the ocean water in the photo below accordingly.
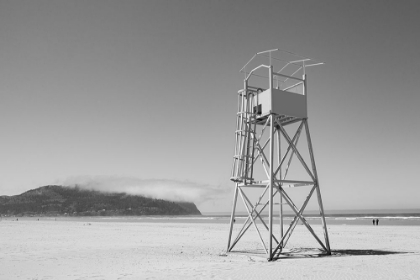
(405, 219)
(385, 219)
(352, 219)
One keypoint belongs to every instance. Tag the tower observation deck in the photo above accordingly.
(272, 115)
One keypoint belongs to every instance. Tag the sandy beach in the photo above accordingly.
(114, 249)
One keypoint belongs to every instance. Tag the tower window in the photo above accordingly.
(258, 109)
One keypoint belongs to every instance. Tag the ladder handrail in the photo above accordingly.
(242, 169)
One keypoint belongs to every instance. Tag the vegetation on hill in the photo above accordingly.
(74, 201)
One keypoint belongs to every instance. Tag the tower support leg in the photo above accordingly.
(270, 211)
(318, 191)
(280, 197)
(232, 217)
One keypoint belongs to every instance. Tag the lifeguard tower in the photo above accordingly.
(273, 101)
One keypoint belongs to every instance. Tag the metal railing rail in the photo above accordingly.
(280, 76)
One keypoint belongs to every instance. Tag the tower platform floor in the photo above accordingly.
(284, 120)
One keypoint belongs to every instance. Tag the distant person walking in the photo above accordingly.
(373, 221)
(377, 221)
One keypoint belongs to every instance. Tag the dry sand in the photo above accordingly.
(86, 249)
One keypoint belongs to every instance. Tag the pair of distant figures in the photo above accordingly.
(375, 221)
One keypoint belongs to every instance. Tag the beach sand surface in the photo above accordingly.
(96, 249)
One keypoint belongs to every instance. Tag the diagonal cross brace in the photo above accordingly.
(286, 136)
(295, 141)
(295, 209)
(293, 224)
(242, 231)
(252, 220)
(258, 215)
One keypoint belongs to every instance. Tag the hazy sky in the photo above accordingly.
(144, 92)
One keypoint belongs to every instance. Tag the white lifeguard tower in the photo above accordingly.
(272, 102)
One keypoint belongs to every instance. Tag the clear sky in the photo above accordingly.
(142, 94)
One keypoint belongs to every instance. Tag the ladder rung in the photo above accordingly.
(239, 132)
(240, 157)
(245, 112)
(242, 130)
(240, 178)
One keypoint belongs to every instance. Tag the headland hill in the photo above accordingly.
(54, 200)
